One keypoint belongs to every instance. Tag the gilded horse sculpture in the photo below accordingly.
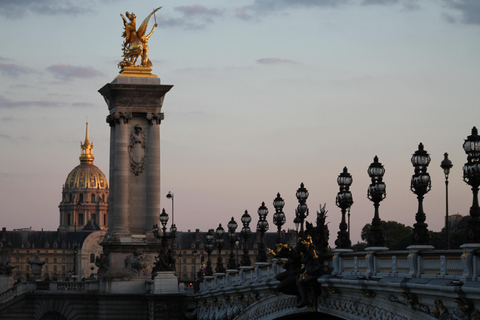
(136, 41)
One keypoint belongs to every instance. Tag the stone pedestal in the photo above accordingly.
(134, 102)
(165, 283)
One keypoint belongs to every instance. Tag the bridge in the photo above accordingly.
(419, 283)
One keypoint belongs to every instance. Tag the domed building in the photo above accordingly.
(85, 193)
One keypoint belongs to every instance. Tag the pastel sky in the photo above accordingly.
(267, 94)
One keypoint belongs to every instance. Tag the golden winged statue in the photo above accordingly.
(136, 40)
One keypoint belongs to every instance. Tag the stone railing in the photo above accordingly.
(452, 264)
(44, 286)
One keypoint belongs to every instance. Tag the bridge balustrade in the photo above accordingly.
(451, 264)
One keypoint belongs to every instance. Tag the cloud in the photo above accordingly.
(269, 6)
(68, 72)
(13, 70)
(198, 10)
(15, 9)
(9, 104)
(195, 16)
(82, 104)
(468, 11)
(274, 61)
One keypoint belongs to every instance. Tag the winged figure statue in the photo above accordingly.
(136, 40)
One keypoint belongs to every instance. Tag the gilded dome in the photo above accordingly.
(86, 175)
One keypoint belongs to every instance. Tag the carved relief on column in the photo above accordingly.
(136, 150)
(155, 118)
(118, 117)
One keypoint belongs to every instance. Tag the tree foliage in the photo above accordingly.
(397, 235)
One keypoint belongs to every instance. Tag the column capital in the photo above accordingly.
(118, 118)
(155, 118)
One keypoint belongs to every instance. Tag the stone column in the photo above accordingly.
(153, 172)
(121, 173)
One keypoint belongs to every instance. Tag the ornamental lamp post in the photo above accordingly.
(165, 261)
(279, 216)
(420, 185)
(220, 243)
(262, 227)
(344, 200)
(471, 175)
(302, 208)
(246, 232)
(446, 165)
(209, 249)
(232, 238)
(376, 193)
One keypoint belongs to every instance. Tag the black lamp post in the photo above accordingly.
(446, 165)
(220, 243)
(209, 249)
(376, 193)
(246, 232)
(262, 227)
(471, 175)
(232, 238)
(302, 208)
(170, 196)
(279, 216)
(344, 201)
(420, 185)
(165, 261)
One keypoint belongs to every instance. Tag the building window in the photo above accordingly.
(46, 260)
(54, 269)
(81, 197)
(63, 260)
(103, 197)
(68, 219)
(80, 219)
(54, 260)
(94, 217)
(92, 258)
(46, 268)
(92, 198)
(63, 268)
(104, 219)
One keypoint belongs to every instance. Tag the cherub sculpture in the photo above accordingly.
(136, 40)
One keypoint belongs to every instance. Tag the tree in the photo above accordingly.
(397, 235)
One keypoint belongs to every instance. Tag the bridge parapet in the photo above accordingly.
(51, 287)
(447, 264)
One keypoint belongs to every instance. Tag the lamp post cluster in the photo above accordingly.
(471, 175)
(344, 201)
(376, 193)
(165, 261)
(262, 227)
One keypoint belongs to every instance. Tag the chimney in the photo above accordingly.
(4, 234)
(197, 234)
